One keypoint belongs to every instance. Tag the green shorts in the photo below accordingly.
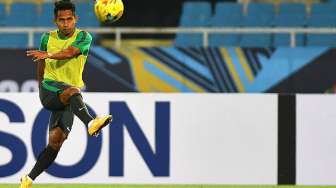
(61, 115)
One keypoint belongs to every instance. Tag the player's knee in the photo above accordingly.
(69, 92)
(56, 138)
(73, 91)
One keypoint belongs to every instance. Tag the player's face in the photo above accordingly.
(66, 21)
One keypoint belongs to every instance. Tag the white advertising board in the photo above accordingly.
(316, 139)
(154, 138)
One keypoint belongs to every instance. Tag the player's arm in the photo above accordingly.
(80, 46)
(67, 53)
(40, 71)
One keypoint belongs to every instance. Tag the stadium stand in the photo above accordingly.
(226, 15)
(195, 14)
(2, 15)
(322, 15)
(274, 14)
(35, 13)
(289, 15)
(279, 13)
(22, 14)
(258, 15)
(86, 15)
(45, 15)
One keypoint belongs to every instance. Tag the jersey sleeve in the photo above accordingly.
(44, 42)
(83, 42)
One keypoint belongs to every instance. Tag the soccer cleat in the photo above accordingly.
(26, 182)
(97, 124)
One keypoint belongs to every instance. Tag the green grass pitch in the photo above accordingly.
(155, 186)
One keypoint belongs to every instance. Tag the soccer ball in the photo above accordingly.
(108, 11)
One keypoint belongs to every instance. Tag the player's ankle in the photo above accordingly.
(31, 179)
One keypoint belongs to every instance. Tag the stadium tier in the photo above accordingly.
(263, 15)
(31, 14)
(193, 14)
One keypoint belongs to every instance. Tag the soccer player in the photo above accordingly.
(60, 63)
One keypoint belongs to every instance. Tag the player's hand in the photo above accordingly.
(37, 55)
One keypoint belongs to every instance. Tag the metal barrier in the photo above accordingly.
(205, 31)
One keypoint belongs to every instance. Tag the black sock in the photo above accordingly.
(79, 108)
(45, 159)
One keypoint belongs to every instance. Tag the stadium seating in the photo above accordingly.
(33, 14)
(292, 8)
(2, 15)
(290, 15)
(321, 39)
(323, 8)
(199, 9)
(46, 15)
(194, 14)
(259, 15)
(86, 15)
(226, 15)
(322, 15)
(22, 14)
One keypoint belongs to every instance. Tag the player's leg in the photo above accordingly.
(60, 125)
(73, 97)
(49, 99)
(56, 95)
(56, 138)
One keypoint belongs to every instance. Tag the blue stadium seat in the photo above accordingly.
(292, 8)
(194, 14)
(259, 15)
(46, 16)
(322, 15)
(196, 9)
(86, 15)
(290, 15)
(22, 14)
(323, 8)
(288, 20)
(13, 40)
(261, 9)
(190, 39)
(226, 15)
(2, 14)
(322, 20)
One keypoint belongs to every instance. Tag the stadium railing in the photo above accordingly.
(205, 31)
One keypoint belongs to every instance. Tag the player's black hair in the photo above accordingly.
(64, 5)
